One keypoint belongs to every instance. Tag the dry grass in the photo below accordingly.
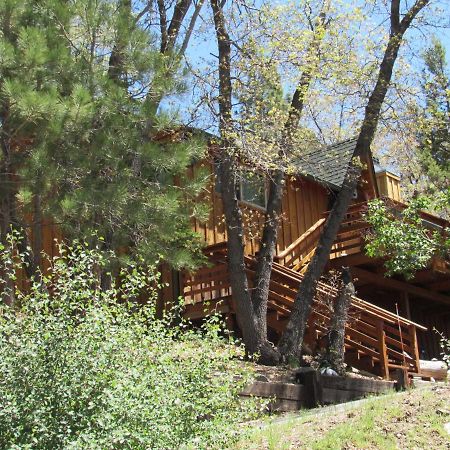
(411, 420)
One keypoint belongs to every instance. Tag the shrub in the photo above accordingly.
(401, 237)
(81, 369)
(444, 343)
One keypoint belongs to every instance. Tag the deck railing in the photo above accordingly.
(300, 252)
(350, 239)
(388, 341)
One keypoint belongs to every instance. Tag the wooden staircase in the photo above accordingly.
(349, 240)
(375, 339)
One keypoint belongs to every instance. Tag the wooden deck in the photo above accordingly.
(377, 339)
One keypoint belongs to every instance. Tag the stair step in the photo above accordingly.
(370, 339)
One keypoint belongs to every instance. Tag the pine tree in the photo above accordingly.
(433, 150)
(82, 133)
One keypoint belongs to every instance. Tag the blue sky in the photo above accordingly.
(203, 46)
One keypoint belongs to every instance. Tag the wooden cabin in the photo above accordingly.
(377, 338)
(393, 318)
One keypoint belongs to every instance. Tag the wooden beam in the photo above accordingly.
(399, 285)
(405, 299)
(350, 260)
(442, 285)
(424, 276)
(442, 311)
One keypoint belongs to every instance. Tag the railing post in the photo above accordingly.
(384, 362)
(415, 346)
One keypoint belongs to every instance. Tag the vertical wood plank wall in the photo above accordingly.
(50, 236)
(303, 204)
(389, 185)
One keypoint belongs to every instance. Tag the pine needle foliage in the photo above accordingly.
(81, 85)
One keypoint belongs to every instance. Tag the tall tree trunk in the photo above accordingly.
(264, 258)
(227, 175)
(290, 344)
(169, 35)
(264, 262)
(252, 310)
(335, 350)
(116, 59)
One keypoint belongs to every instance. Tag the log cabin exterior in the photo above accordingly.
(377, 338)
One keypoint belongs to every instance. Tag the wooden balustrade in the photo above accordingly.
(388, 340)
(209, 283)
(350, 238)
(301, 250)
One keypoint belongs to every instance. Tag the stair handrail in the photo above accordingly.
(356, 301)
(384, 342)
(298, 242)
(388, 348)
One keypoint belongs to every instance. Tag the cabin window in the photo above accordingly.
(252, 189)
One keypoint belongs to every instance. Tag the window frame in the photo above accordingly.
(240, 190)
(240, 186)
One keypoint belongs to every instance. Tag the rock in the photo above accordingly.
(328, 371)
(447, 427)
(262, 378)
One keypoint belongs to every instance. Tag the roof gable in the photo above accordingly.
(327, 164)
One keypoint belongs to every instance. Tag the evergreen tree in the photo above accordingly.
(434, 124)
(82, 133)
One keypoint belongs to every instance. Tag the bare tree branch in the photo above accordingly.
(191, 26)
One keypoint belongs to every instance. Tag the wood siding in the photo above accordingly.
(303, 204)
(389, 185)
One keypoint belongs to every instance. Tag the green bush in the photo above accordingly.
(444, 343)
(80, 369)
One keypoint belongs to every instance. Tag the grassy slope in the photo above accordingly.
(411, 420)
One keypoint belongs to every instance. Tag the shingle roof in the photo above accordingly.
(328, 165)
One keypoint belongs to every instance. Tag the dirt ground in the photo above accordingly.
(410, 420)
(285, 375)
